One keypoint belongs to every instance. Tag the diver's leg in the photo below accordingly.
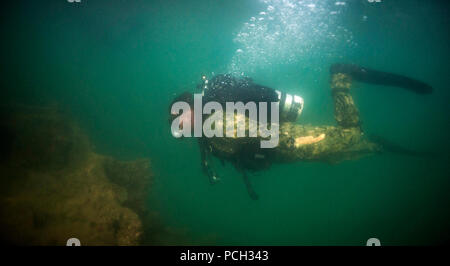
(347, 115)
(327, 143)
(371, 76)
(345, 111)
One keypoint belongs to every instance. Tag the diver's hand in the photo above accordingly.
(213, 177)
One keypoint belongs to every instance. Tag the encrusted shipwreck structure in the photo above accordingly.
(55, 187)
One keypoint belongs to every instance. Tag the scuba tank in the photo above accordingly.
(291, 106)
(226, 88)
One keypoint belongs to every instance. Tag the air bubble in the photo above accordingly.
(289, 33)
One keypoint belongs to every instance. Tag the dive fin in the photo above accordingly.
(397, 149)
(371, 76)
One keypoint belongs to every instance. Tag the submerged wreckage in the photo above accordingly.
(55, 187)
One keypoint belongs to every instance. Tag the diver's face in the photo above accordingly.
(185, 119)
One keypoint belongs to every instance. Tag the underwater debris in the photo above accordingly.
(54, 187)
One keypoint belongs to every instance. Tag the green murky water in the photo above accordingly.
(116, 65)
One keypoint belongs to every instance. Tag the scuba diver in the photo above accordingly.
(297, 142)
